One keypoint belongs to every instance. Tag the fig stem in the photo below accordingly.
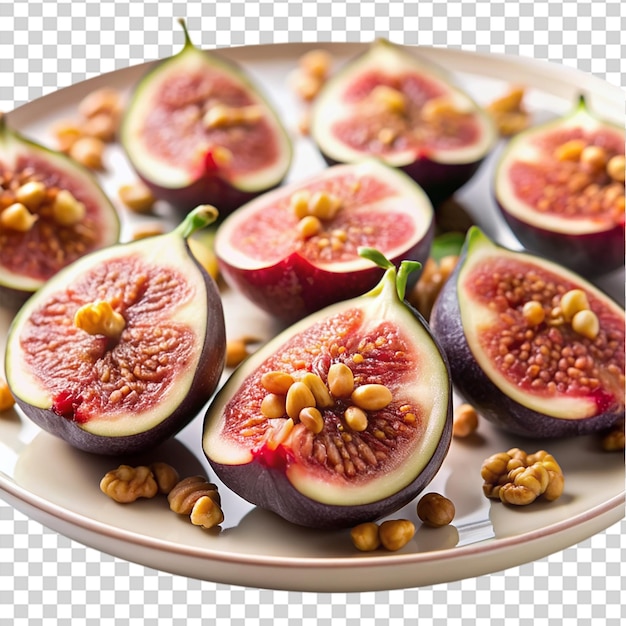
(376, 257)
(198, 218)
(188, 41)
(407, 267)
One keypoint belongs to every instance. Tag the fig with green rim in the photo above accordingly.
(198, 130)
(560, 187)
(391, 104)
(533, 346)
(340, 419)
(122, 348)
(52, 212)
(294, 250)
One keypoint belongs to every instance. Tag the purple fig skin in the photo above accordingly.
(590, 254)
(265, 484)
(439, 180)
(294, 288)
(474, 386)
(269, 488)
(205, 190)
(205, 381)
(13, 299)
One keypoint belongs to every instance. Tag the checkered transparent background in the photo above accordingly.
(46, 578)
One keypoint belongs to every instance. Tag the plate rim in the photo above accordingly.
(600, 513)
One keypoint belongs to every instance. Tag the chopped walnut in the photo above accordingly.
(518, 478)
(206, 512)
(165, 475)
(188, 491)
(126, 484)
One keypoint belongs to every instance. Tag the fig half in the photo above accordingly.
(560, 187)
(390, 104)
(342, 418)
(294, 250)
(198, 130)
(52, 211)
(122, 348)
(536, 348)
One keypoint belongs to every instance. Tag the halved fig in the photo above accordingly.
(560, 187)
(342, 418)
(198, 130)
(390, 104)
(122, 348)
(536, 348)
(52, 211)
(295, 250)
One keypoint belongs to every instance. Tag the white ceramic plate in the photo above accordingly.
(58, 486)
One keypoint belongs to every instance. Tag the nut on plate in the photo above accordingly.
(197, 497)
(518, 478)
(392, 534)
(435, 510)
(465, 421)
(126, 484)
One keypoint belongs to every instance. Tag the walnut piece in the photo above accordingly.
(165, 475)
(518, 478)
(126, 484)
(197, 497)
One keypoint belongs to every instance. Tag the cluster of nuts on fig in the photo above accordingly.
(100, 318)
(25, 199)
(573, 309)
(85, 139)
(193, 496)
(303, 399)
(509, 113)
(312, 210)
(515, 477)
(433, 510)
(594, 178)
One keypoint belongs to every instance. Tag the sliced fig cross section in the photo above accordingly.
(295, 250)
(560, 187)
(122, 348)
(342, 418)
(391, 104)
(534, 347)
(198, 130)
(52, 212)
